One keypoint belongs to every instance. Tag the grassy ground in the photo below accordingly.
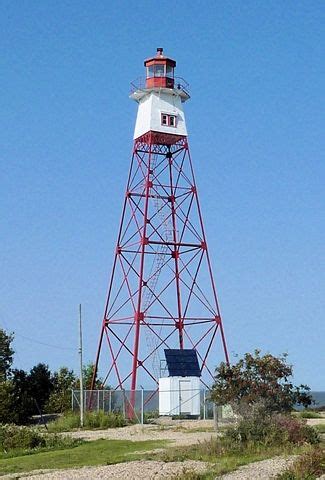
(221, 462)
(99, 452)
(320, 428)
(105, 452)
(309, 414)
(311, 460)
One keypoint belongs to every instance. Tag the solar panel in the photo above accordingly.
(182, 363)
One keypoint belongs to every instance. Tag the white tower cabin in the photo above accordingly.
(160, 100)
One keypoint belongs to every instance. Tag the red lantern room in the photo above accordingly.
(160, 71)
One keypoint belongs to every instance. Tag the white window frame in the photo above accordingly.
(168, 116)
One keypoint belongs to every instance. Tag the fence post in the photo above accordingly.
(98, 392)
(215, 416)
(142, 404)
(110, 402)
(124, 411)
(72, 398)
(204, 405)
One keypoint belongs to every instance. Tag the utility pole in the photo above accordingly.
(81, 380)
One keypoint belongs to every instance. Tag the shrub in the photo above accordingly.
(92, 420)
(65, 423)
(259, 378)
(13, 437)
(263, 429)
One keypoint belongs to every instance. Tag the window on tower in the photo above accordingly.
(168, 120)
(164, 119)
(172, 120)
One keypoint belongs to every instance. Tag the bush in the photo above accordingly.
(296, 430)
(65, 423)
(13, 437)
(259, 378)
(270, 430)
(92, 420)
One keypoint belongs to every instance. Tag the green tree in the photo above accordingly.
(6, 402)
(87, 375)
(60, 398)
(23, 404)
(6, 354)
(40, 385)
(259, 379)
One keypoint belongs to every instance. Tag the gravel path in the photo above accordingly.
(263, 470)
(137, 470)
(183, 436)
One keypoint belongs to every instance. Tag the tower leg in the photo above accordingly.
(139, 313)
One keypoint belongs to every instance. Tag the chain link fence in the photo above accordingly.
(146, 403)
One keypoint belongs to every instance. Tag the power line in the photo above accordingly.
(43, 343)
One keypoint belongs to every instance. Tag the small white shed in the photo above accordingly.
(179, 396)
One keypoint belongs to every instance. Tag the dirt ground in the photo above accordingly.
(182, 432)
(179, 432)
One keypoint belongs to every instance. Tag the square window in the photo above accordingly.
(172, 121)
(164, 119)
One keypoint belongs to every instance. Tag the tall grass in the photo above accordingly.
(310, 465)
(309, 414)
(92, 420)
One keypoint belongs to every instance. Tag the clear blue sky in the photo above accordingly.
(256, 126)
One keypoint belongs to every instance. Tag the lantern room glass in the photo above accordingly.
(150, 71)
(160, 70)
(169, 71)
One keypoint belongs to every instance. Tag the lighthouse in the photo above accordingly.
(160, 102)
(161, 294)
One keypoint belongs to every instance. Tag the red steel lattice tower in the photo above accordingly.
(161, 292)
